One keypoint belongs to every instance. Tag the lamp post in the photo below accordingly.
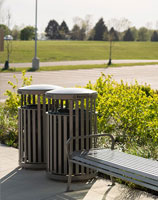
(8, 39)
(35, 60)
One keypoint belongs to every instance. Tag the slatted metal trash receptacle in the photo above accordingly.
(72, 113)
(32, 125)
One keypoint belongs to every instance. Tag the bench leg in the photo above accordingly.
(112, 180)
(70, 176)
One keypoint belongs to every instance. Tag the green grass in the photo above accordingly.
(23, 51)
(70, 67)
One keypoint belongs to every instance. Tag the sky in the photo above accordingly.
(139, 12)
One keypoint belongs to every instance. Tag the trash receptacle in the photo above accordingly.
(32, 125)
(72, 113)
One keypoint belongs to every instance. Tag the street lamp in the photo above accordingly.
(35, 60)
(8, 39)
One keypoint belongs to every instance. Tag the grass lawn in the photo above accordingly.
(23, 51)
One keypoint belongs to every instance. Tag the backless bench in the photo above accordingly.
(138, 170)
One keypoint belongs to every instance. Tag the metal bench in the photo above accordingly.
(138, 170)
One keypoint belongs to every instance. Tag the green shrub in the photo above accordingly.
(130, 113)
(9, 113)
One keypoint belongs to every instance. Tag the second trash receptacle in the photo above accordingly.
(32, 125)
(72, 113)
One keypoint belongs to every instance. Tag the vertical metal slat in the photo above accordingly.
(50, 144)
(77, 131)
(34, 134)
(19, 133)
(59, 145)
(44, 130)
(55, 145)
(39, 129)
(71, 122)
(47, 144)
(65, 139)
(82, 129)
(29, 135)
(25, 137)
(22, 136)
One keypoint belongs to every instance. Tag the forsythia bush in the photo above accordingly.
(130, 113)
(9, 113)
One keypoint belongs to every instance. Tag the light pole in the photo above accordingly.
(8, 39)
(35, 60)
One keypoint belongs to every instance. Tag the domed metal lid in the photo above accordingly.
(70, 93)
(37, 89)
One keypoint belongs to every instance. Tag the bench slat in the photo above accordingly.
(134, 164)
(117, 175)
(99, 166)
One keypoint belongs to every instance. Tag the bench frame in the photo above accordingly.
(70, 161)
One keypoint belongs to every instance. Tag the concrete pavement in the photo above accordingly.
(80, 62)
(21, 184)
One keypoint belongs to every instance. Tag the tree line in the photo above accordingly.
(83, 31)
(100, 32)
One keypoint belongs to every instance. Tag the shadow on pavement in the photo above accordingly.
(22, 184)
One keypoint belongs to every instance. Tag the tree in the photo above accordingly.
(27, 33)
(52, 30)
(113, 35)
(77, 33)
(64, 30)
(5, 29)
(128, 36)
(99, 29)
(143, 34)
(134, 32)
(119, 24)
(16, 33)
(154, 37)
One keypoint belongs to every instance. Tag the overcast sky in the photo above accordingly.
(139, 12)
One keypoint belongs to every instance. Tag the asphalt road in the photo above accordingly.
(71, 78)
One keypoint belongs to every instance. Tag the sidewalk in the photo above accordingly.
(21, 184)
(81, 62)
